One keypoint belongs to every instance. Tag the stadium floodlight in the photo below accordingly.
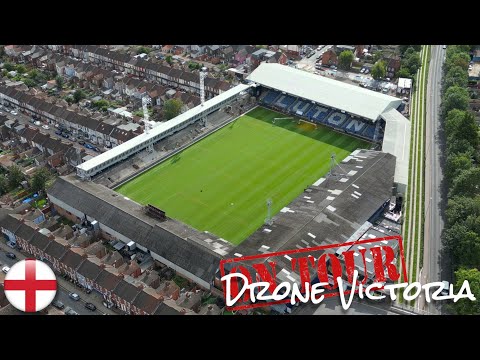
(269, 220)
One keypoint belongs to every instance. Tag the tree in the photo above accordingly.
(29, 82)
(15, 176)
(404, 48)
(143, 50)
(456, 76)
(455, 98)
(412, 61)
(379, 70)
(79, 95)
(59, 81)
(377, 56)
(40, 179)
(404, 73)
(461, 125)
(459, 146)
(3, 185)
(345, 59)
(21, 69)
(455, 164)
(464, 245)
(169, 59)
(466, 306)
(467, 183)
(172, 108)
(460, 207)
(461, 59)
(102, 105)
(9, 66)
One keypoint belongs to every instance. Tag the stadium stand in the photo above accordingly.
(284, 101)
(337, 119)
(271, 97)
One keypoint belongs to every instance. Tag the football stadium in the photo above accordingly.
(221, 184)
(285, 160)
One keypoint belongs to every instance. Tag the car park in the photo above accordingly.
(58, 304)
(11, 255)
(74, 296)
(90, 306)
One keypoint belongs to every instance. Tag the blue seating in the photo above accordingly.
(354, 126)
(369, 131)
(337, 119)
(271, 97)
(285, 101)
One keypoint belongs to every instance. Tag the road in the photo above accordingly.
(434, 267)
(25, 120)
(62, 291)
(308, 64)
(332, 306)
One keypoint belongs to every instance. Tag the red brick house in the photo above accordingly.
(329, 58)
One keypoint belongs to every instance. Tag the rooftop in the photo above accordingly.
(333, 93)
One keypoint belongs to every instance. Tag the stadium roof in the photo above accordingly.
(396, 141)
(333, 93)
(160, 128)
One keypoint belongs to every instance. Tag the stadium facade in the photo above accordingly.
(331, 210)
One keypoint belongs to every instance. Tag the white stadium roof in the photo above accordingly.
(396, 141)
(333, 93)
(160, 128)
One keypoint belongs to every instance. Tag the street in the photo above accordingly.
(64, 287)
(308, 64)
(25, 120)
(332, 306)
(435, 267)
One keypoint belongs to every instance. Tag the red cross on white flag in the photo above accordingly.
(30, 285)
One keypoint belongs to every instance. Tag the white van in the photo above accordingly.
(446, 288)
(5, 269)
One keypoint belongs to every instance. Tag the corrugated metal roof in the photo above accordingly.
(333, 93)
(160, 128)
(396, 141)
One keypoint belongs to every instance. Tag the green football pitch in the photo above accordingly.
(221, 184)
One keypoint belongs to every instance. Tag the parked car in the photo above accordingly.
(46, 127)
(13, 112)
(11, 255)
(90, 306)
(1, 113)
(32, 120)
(81, 142)
(74, 296)
(38, 123)
(88, 146)
(5, 269)
(362, 71)
(58, 132)
(72, 138)
(65, 135)
(367, 71)
(11, 244)
(58, 304)
(70, 311)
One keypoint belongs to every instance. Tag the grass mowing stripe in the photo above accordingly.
(242, 164)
